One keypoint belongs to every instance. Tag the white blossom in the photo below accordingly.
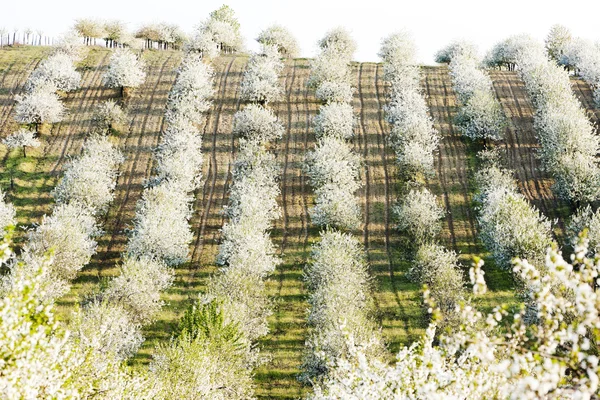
(333, 161)
(91, 178)
(335, 120)
(556, 41)
(260, 81)
(161, 230)
(69, 234)
(109, 115)
(339, 41)
(106, 329)
(419, 215)
(190, 95)
(509, 226)
(397, 50)
(138, 287)
(21, 138)
(335, 92)
(7, 214)
(340, 300)
(256, 123)
(39, 106)
(59, 70)
(125, 70)
(567, 139)
(281, 38)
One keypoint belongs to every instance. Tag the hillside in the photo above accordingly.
(398, 300)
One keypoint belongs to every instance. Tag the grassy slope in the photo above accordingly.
(397, 299)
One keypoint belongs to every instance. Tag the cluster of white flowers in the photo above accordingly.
(509, 226)
(340, 301)
(91, 178)
(568, 143)
(419, 215)
(580, 54)
(42, 359)
(257, 124)
(7, 214)
(335, 120)
(585, 218)
(556, 42)
(125, 70)
(496, 355)
(59, 70)
(331, 64)
(21, 139)
(480, 115)
(40, 103)
(413, 136)
(69, 233)
(219, 33)
(160, 226)
(109, 117)
(280, 37)
(260, 82)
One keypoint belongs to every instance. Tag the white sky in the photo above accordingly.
(433, 23)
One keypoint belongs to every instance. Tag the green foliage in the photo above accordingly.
(226, 14)
(205, 322)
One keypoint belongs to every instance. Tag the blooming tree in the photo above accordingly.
(556, 41)
(138, 287)
(58, 70)
(340, 301)
(339, 41)
(90, 179)
(256, 123)
(509, 226)
(161, 229)
(480, 115)
(190, 95)
(69, 234)
(419, 215)
(109, 116)
(125, 70)
(281, 38)
(335, 92)
(335, 120)
(41, 105)
(260, 82)
(22, 138)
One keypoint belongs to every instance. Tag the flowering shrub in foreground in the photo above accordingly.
(497, 355)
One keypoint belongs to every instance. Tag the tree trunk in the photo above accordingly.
(122, 91)
(24, 154)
